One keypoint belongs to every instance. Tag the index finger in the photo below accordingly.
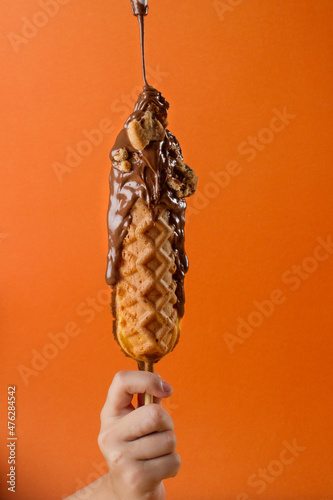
(127, 383)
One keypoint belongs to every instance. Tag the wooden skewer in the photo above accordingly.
(149, 367)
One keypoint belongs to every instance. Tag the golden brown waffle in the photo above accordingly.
(146, 324)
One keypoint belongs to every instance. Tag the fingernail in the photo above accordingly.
(166, 387)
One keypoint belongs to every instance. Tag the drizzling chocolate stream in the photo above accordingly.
(140, 9)
(148, 178)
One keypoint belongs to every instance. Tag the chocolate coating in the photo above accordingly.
(147, 179)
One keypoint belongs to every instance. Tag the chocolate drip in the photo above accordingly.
(141, 20)
(140, 10)
(150, 170)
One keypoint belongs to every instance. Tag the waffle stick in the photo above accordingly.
(146, 324)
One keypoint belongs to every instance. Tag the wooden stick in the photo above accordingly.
(149, 367)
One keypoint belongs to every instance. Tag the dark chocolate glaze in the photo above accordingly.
(147, 180)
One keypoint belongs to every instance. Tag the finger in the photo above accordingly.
(127, 383)
(160, 468)
(155, 445)
(143, 421)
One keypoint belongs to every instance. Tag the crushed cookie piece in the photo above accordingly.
(183, 180)
(120, 155)
(125, 166)
(141, 133)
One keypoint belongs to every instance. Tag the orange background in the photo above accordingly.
(226, 75)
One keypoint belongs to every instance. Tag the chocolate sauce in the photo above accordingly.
(147, 180)
(142, 43)
(152, 100)
(140, 9)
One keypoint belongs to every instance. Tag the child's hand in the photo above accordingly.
(138, 444)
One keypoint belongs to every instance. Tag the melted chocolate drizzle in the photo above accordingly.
(140, 10)
(147, 180)
(142, 40)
